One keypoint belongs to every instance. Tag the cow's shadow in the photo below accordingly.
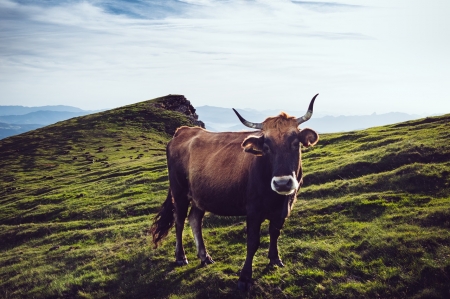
(142, 278)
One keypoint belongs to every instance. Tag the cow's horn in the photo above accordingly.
(308, 113)
(247, 123)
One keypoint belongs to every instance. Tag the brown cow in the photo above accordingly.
(211, 172)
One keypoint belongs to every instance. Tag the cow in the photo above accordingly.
(256, 174)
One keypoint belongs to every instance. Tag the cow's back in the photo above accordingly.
(212, 166)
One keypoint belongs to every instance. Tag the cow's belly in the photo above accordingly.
(220, 201)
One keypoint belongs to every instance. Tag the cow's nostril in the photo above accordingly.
(289, 183)
(282, 183)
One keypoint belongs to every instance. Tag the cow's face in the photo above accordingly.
(280, 144)
(279, 141)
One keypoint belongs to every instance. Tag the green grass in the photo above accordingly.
(77, 200)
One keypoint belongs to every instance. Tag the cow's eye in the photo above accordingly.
(266, 148)
(295, 146)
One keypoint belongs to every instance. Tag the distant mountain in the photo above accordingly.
(20, 110)
(223, 119)
(19, 119)
(332, 124)
(7, 130)
(217, 119)
(41, 117)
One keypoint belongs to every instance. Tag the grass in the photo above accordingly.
(77, 199)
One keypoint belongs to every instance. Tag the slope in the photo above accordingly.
(77, 199)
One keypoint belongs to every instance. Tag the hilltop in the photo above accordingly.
(77, 199)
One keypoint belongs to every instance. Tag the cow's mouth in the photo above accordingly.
(284, 185)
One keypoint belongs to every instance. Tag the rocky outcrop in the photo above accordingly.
(180, 104)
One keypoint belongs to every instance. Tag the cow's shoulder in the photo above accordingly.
(186, 131)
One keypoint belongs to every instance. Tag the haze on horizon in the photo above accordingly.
(361, 56)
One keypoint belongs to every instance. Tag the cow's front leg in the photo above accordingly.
(253, 231)
(274, 232)
(195, 220)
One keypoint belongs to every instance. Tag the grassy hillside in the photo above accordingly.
(77, 199)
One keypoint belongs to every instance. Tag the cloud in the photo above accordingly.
(326, 6)
(82, 34)
(97, 54)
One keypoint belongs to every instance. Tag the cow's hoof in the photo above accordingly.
(276, 262)
(244, 285)
(207, 261)
(182, 262)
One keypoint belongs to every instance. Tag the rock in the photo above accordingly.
(180, 104)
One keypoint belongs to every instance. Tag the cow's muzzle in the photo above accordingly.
(284, 185)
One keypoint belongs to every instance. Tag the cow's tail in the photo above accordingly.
(163, 221)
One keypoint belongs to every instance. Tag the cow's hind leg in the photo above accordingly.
(195, 220)
(181, 204)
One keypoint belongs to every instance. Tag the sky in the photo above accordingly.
(360, 56)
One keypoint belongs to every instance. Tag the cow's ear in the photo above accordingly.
(253, 145)
(308, 137)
